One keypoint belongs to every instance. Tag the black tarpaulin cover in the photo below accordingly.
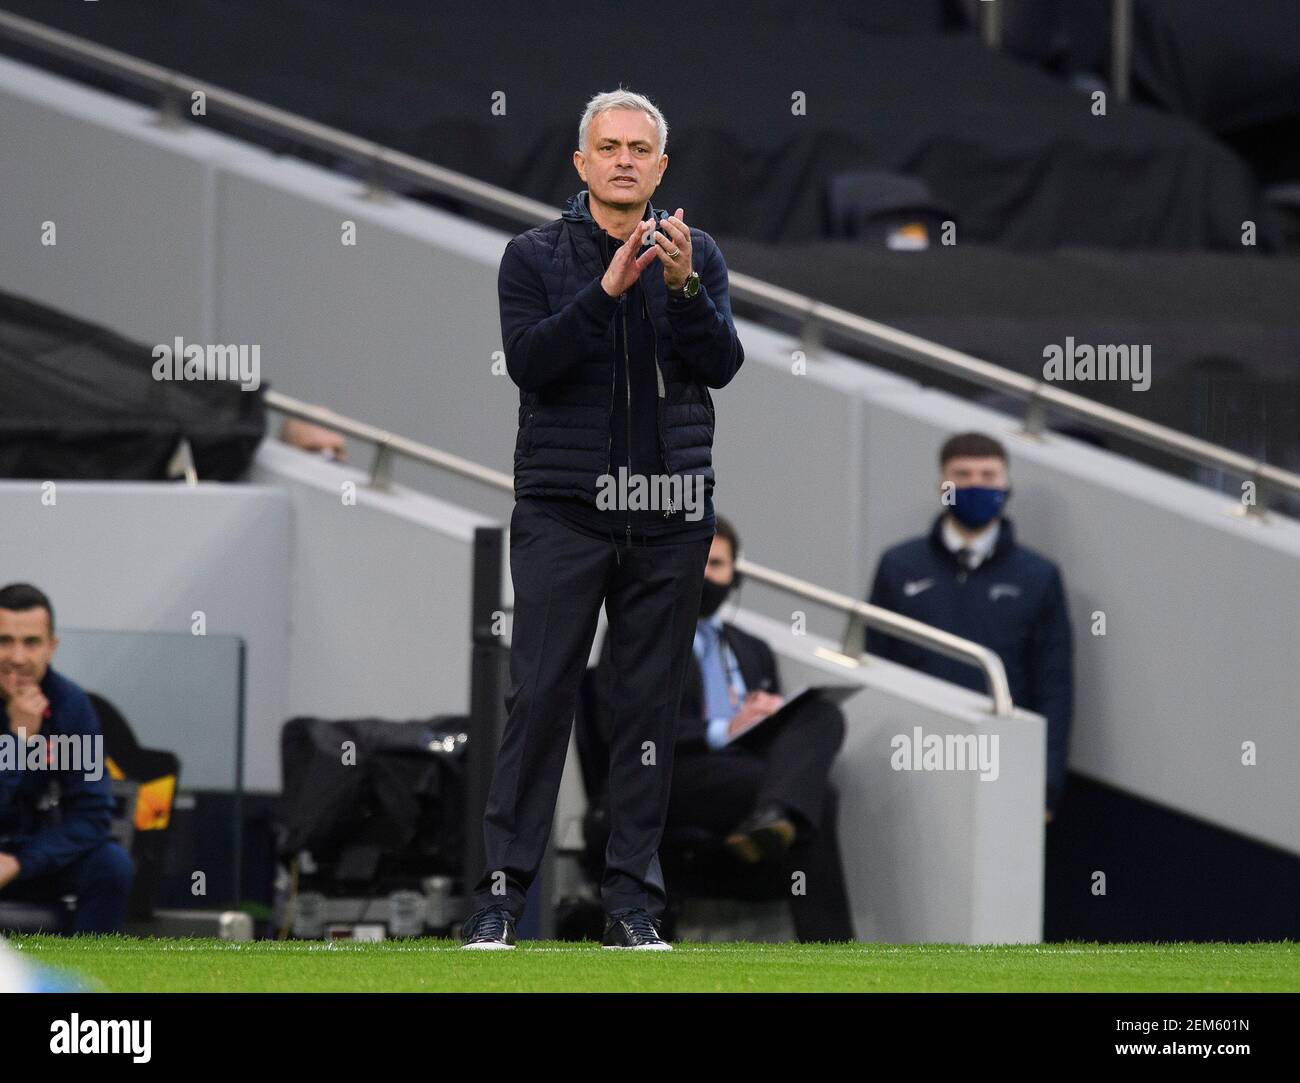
(764, 110)
(78, 401)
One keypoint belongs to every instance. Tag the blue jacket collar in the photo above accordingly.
(576, 210)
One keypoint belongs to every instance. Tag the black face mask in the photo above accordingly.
(714, 594)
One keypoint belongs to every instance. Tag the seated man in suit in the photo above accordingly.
(765, 786)
(54, 814)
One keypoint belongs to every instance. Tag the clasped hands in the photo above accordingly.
(672, 248)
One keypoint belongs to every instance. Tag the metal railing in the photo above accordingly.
(384, 164)
(1121, 48)
(989, 20)
(387, 444)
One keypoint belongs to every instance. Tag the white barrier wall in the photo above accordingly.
(929, 855)
(820, 472)
(380, 593)
(147, 557)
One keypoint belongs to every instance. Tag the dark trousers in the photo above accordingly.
(101, 880)
(787, 763)
(651, 595)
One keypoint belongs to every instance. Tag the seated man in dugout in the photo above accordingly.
(56, 801)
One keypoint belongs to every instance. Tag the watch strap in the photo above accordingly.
(681, 293)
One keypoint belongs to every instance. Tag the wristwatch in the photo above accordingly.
(689, 288)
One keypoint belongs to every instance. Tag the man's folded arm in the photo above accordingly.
(542, 346)
(702, 327)
(87, 819)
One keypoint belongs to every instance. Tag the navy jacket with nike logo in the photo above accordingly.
(1012, 603)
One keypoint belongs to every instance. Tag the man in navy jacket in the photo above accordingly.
(970, 577)
(54, 815)
(616, 323)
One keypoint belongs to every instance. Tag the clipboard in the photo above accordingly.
(835, 693)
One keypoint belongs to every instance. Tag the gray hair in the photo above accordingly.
(621, 99)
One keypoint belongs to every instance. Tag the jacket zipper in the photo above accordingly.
(609, 416)
(613, 379)
(659, 378)
(627, 387)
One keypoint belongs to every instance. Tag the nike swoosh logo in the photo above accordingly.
(916, 586)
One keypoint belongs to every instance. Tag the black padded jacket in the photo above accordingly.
(558, 330)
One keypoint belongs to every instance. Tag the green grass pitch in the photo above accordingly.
(128, 964)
